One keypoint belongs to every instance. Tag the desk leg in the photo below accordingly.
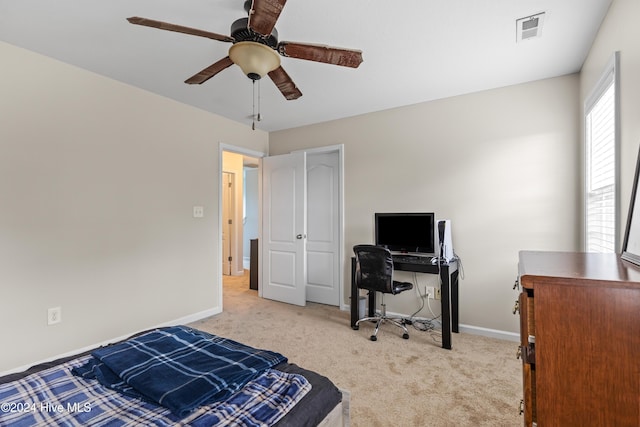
(454, 302)
(445, 291)
(354, 295)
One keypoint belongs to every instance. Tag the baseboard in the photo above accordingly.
(181, 321)
(491, 333)
(192, 317)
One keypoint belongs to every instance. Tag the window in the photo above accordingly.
(601, 170)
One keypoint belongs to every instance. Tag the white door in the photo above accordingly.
(283, 229)
(323, 228)
(227, 215)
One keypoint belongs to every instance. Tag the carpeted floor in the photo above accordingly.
(393, 382)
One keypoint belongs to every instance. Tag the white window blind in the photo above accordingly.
(601, 168)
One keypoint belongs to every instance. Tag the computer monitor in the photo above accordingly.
(412, 233)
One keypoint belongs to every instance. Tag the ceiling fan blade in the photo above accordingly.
(209, 72)
(284, 83)
(264, 14)
(179, 29)
(321, 53)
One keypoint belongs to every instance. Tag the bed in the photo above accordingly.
(172, 376)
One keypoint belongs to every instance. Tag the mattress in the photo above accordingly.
(321, 405)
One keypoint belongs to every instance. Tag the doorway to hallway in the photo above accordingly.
(321, 232)
(239, 212)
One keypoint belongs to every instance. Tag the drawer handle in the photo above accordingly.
(519, 352)
(521, 407)
(516, 307)
(516, 285)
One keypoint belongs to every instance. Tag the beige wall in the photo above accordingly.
(97, 184)
(501, 164)
(620, 32)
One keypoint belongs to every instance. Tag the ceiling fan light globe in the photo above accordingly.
(254, 59)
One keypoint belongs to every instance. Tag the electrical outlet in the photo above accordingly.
(198, 211)
(54, 315)
(437, 294)
(429, 291)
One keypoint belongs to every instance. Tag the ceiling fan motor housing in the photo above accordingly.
(241, 32)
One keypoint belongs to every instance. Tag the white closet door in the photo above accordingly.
(323, 228)
(284, 228)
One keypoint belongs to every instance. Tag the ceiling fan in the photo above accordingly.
(256, 47)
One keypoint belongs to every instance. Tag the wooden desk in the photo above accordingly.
(448, 293)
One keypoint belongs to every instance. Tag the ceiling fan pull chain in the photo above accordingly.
(253, 110)
(259, 116)
(256, 114)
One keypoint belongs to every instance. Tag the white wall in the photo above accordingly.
(97, 184)
(501, 164)
(620, 32)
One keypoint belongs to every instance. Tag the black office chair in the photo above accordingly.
(374, 272)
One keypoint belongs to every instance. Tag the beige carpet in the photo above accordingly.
(393, 382)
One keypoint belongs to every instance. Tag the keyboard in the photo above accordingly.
(412, 259)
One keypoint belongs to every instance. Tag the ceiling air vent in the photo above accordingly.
(529, 27)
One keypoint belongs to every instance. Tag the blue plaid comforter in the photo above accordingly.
(178, 367)
(57, 397)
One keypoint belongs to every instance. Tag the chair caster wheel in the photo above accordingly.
(373, 338)
(405, 336)
(355, 328)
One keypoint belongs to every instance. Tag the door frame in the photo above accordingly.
(222, 147)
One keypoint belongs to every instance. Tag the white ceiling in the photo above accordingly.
(413, 50)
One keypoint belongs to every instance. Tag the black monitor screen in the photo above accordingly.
(406, 232)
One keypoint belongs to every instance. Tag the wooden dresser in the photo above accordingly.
(579, 339)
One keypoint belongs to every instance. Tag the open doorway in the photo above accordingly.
(323, 203)
(239, 208)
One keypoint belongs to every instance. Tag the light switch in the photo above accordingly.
(198, 211)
